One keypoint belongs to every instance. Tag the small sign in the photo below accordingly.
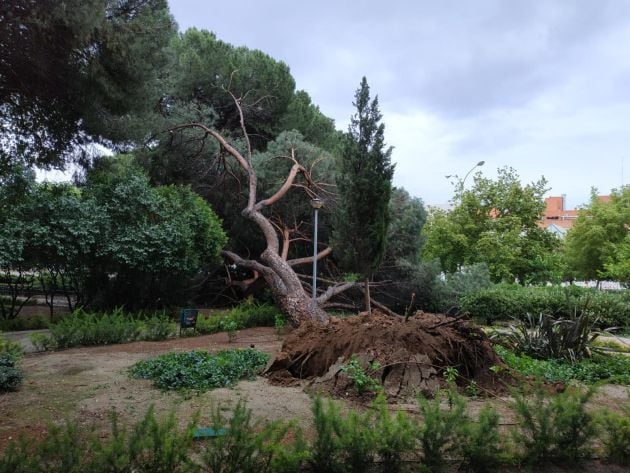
(188, 318)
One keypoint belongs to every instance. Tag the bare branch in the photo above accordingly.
(309, 259)
(332, 291)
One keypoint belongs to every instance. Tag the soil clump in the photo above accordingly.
(408, 356)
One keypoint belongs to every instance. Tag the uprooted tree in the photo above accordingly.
(273, 264)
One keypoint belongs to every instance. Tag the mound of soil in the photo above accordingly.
(411, 355)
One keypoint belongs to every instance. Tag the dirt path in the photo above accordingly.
(88, 383)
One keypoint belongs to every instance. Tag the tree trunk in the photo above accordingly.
(368, 304)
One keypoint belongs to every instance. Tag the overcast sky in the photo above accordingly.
(542, 86)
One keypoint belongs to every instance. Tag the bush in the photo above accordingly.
(24, 323)
(199, 370)
(41, 341)
(10, 376)
(11, 349)
(545, 337)
(505, 302)
(616, 439)
(247, 446)
(481, 449)
(245, 315)
(395, 436)
(83, 328)
(158, 327)
(559, 428)
(441, 429)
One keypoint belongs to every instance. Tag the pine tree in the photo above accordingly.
(364, 187)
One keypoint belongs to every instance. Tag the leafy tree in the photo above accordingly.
(205, 68)
(495, 223)
(597, 247)
(404, 235)
(364, 186)
(74, 72)
(152, 241)
(316, 128)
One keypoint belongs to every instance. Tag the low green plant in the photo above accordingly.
(200, 370)
(84, 328)
(481, 447)
(279, 324)
(11, 349)
(248, 446)
(158, 327)
(151, 445)
(545, 337)
(362, 379)
(613, 369)
(441, 428)
(325, 454)
(230, 326)
(10, 375)
(557, 428)
(616, 435)
(395, 436)
(20, 323)
(41, 341)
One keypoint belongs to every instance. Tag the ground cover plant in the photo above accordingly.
(600, 368)
(200, 370)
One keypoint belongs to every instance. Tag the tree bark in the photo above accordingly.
(368, 305)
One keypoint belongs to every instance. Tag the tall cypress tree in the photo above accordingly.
(364, 186)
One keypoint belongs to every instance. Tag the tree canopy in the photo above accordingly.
(494, 222)
(76, 72)
(598, 245)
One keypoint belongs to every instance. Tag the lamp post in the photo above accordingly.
(317, 204)
(478, 165)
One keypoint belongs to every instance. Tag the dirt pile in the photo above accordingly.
(412, 355)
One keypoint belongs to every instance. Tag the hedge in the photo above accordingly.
(504, 302)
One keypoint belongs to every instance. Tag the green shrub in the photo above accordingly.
(83, 328)
(441, 428)
(41, 341)
(10, 348)
(245, 315)
(24, 323)
(325, 454)
(10, 376)
(230, 326)
(616, 438)
(481, 447)
(150, 446)
(506, 302)
(559, 428)
(199, 370)
(248, 446)
(395, 436)
(158, 327)
(362, 379)
(545, 337)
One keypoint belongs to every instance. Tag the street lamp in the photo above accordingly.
(478, 165)
(317, 204)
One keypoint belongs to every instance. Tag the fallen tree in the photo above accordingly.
(273, 264)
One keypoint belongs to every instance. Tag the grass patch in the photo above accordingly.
(614, 369)
(199, 370)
